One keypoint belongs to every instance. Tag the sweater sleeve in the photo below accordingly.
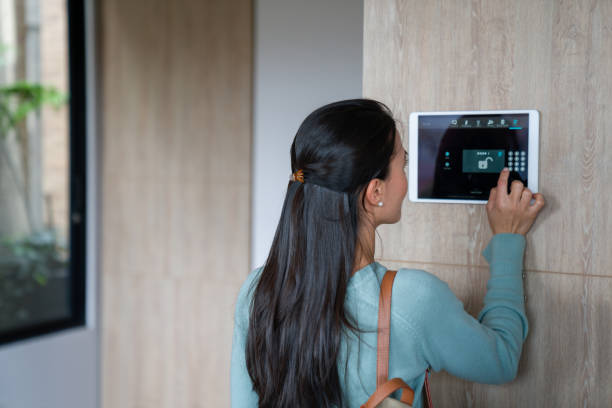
(242, 393)
(485, 350)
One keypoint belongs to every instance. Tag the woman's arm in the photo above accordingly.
(487, 349)
(242, 394)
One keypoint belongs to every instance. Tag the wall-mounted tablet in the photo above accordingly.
(456, 157)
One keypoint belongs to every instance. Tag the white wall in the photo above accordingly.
(307, 54)
(61, 369)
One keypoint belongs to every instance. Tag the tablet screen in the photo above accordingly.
(461, 156)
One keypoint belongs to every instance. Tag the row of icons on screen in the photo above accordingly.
(512, 154)
(511, 123)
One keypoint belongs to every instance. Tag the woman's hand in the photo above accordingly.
(512, 213)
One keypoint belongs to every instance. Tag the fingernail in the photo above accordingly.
(505, 169)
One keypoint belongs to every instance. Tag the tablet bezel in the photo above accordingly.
(413, 152)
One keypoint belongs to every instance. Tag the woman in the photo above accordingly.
(305, 322)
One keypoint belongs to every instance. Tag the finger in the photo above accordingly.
(502, 182)
(538, 204)
(526, 196)
(516, 189)
(492, 195)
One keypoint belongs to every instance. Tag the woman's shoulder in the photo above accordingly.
(250, 282)
(419, 282)
(419, 297)
(421, 286)
(408, 278)
(245, 295)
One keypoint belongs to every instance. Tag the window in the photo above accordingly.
(42, 167)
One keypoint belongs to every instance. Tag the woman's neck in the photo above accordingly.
(364, 249)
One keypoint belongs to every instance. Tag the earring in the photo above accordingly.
(380, 203)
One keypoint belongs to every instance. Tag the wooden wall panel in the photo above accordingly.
(176, 134)
(546, 55)
(554, 56)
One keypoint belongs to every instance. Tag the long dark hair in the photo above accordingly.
(297, 313)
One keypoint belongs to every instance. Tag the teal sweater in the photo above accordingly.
(429, 328)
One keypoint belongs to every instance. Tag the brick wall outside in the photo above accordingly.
(54, 125)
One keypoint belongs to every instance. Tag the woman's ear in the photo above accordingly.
(374, 192)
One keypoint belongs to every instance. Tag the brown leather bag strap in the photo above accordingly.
(383, 384)
(407, 395)
(388, 388)
(428, 402)
(384, 329)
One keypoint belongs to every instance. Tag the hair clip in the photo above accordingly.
(298, 176)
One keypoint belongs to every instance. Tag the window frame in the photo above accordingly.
(76, 28)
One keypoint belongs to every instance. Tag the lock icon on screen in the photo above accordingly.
(484, 164)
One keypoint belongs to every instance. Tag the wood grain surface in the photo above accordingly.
(175, 84)
(553, 56)
(547, 55)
